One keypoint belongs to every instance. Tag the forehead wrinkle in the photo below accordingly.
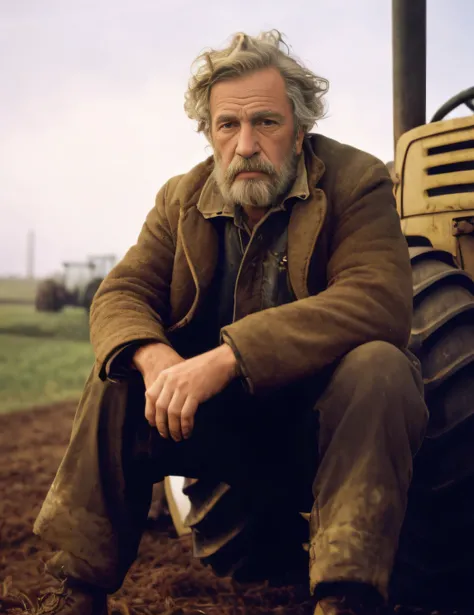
(226, 108)
(251, 98)
(256, 116)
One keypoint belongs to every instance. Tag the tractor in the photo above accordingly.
(76, 286)
(433, 175)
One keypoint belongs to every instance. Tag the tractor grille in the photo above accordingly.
(436, 165)
(452, 189)
(453, 167)
(448, 168)
(451, 147)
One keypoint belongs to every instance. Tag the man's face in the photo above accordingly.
(253, 134)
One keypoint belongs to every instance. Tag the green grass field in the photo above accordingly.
(44, 358)
(69, 324)
(17, 289)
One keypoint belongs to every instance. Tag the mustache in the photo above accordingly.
(248, 165)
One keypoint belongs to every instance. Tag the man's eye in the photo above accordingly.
(268, 122)
(228, 125)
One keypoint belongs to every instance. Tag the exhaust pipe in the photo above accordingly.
(409, 65)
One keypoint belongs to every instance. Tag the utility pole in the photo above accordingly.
(30, 255)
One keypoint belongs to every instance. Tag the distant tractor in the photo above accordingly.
(76, 286)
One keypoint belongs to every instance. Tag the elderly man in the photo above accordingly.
(269, 283)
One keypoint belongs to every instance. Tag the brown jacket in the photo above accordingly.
(348, 265)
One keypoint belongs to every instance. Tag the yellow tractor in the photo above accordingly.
(433, 177)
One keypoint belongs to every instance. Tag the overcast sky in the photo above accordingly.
(91, 101)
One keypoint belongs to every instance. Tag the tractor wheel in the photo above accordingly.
(237, 542)
(49, 296)
(435, 562)
(90, 291)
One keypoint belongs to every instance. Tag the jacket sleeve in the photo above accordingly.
(368, 298)
(132, 302)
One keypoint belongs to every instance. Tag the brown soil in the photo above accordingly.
(165, 574)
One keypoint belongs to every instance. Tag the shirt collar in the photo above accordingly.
(211, 204)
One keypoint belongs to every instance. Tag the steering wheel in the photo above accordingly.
(466, 97)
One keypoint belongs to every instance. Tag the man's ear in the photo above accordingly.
(299, 141)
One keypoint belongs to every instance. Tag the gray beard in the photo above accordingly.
(258, 193)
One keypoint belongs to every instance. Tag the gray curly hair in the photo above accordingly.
(247, 54)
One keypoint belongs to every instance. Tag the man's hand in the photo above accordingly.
(152, 359)
(174, 397)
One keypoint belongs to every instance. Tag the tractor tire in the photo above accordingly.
(49, 296)
(91, 289)
(435, 561)
(249, 546)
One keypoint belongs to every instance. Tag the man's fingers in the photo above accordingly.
(161, 411)
(174, 415)
(151, 395)
(150, 409)
(187, 416)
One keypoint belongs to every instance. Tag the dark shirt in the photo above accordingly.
(252, 273)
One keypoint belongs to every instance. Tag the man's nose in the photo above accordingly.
(247, 144)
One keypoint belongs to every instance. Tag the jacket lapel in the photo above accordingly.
(305, 224)
(306, 221)
(198, 258)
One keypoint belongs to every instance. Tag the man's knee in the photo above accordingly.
(375, 387)
(380, 363)
(375, 382)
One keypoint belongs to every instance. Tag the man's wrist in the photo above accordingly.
(240, 371)
(119, 365)
(231, 360)
(145, 356)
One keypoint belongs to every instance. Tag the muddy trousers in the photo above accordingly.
(371, 419)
